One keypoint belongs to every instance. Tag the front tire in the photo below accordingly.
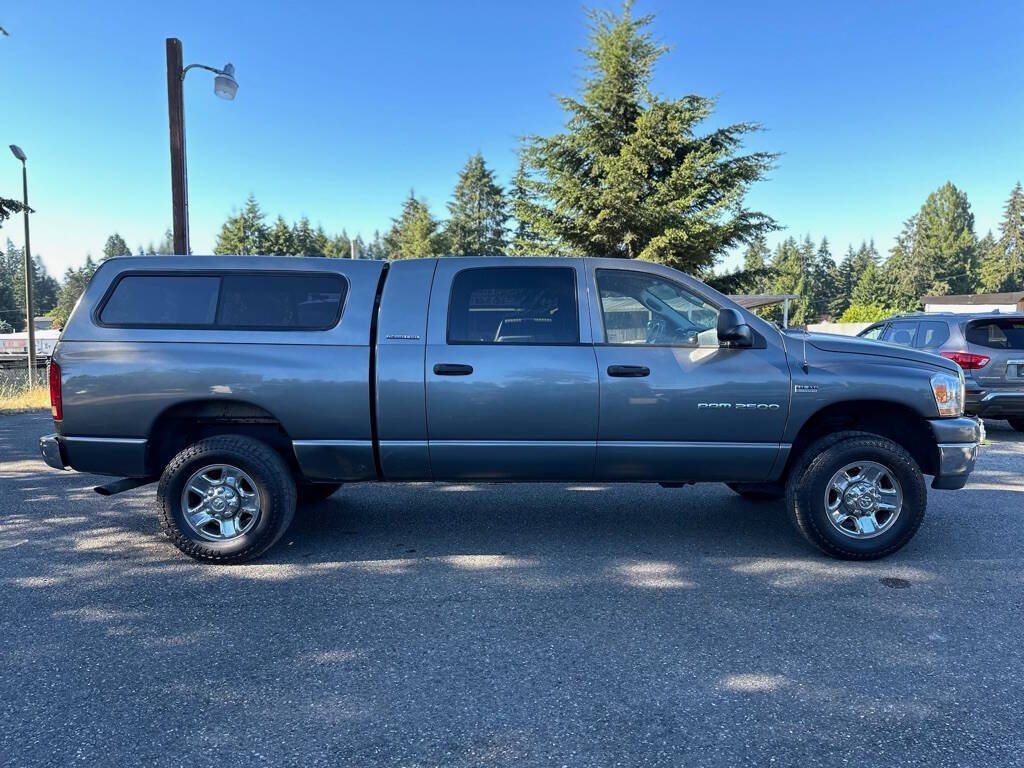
(226, 499)
(856, 496)
(1017, 422)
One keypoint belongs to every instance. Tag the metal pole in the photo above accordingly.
(29, 312)
(176, 118)
(785, 313)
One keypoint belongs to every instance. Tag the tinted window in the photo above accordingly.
(900, 332)
(174, 300)
(997, 334)
(310, 301)
(514, 305)
(932, 334)
(873, 333)
(639, 308)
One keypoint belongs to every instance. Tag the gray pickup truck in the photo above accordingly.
(247, 385)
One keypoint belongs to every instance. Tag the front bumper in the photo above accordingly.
(994, 404)
(53, 453)
(957, 443)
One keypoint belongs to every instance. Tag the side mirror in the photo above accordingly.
(733, 329)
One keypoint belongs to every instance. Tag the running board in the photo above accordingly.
(122, 485)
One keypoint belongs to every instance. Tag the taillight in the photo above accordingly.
(967, 360)
(56, 408)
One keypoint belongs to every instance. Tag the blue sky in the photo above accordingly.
(343, 107)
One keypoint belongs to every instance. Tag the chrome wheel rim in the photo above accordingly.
(220, 502)
(863, 500)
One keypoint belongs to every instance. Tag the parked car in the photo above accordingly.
(242, 383)
(989, 347)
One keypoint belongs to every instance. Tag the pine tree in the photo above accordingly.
(526, 240)
(340, 246)
(304, 238)
(115, 246)
(75, 282)
(992, 267)
(244, 234)
(414, 234)
(376, 248)
(477, 213)
(279, 239)
(869, 289)
(1002, 267)
(630, 175)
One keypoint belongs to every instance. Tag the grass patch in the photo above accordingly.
(16, 397)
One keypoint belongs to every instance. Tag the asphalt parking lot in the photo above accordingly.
(478, 625)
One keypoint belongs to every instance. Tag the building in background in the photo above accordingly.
(979, 302)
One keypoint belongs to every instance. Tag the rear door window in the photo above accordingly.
(179, 301)
(901, 332)
(932, 334)
(997, 333)
(514, 305)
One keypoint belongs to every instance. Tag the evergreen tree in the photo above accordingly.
(869, 290)
(115, 246)
(526, 241)
(164, 247)
(279, 239)
(321, 243)
(478, 212)
(936, 253)
(630, 175)
(340, 246)
(304, 238)
(12, 287)
(992, 268)
(244, 234)
(376, 248)
(74, 285)
(1002, 267)
(414, 234)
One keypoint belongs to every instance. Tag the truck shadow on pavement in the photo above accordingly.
(487, 624)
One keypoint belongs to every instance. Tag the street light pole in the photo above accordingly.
(29, 313)
(176, 115)
(224, 86)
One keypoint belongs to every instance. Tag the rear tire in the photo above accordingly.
(854, 523)
(758, 491)
(226, 499)
(1017, 422)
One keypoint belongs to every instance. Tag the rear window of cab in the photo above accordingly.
(228, 301)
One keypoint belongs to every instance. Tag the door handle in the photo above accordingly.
(452, 369)
(629, 371)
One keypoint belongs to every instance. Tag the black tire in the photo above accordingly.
(314, 493)
(758, 491)
(811, 474)
(271, 477)
(1017, 422)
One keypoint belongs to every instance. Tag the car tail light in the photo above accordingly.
(56, 407)
(966, 360)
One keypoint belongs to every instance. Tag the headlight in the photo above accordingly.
(949, 393)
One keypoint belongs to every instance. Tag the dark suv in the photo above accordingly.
(989, 347)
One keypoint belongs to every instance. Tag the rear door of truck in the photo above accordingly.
(511, 376)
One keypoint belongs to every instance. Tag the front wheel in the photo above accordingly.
(226, 499)
(856, 496)
(1017, 422)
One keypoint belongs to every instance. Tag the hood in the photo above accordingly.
(857, 346)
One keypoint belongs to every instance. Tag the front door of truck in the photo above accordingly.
(511, 378)
(674, 404)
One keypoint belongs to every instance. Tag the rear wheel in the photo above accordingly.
(1017, 422)
(758, 491)
(226, 499)
(856, 496)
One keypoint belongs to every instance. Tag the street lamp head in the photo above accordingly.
(16, 151)
(224, 84)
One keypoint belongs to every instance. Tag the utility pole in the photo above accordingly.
(176, 117)
(29, 312)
